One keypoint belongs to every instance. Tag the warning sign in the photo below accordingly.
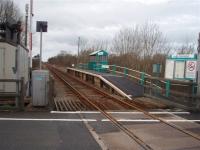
(190, 71)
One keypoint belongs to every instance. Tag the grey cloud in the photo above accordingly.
(101, 19)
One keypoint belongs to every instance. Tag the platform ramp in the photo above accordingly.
(126, 85)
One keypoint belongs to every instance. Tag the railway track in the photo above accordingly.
(103, 101)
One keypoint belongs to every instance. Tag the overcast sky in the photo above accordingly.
(101, 19)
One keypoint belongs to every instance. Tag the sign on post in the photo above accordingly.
(191, 69)
(41, 26)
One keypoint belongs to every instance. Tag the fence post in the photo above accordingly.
(142, 78)
(167, 86)
(125, 71)
(114, 69)
(21, 102)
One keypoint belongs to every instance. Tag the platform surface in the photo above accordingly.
(126, 85)
(123, 83)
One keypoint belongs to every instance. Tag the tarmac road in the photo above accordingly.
(44, 135)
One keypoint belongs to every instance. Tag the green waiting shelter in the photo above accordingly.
(98, 61)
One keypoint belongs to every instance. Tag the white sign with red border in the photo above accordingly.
(190, 71)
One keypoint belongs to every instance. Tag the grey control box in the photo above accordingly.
(40, 87)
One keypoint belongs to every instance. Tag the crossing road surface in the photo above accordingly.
(56, 132)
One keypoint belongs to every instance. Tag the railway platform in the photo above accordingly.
(120, 84)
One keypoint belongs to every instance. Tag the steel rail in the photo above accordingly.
(197, 137)
(112, 119)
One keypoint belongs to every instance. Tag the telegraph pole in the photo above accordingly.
(26, 26)
(78, 53)
(79, 44)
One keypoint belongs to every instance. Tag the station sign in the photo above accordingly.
(183, 56)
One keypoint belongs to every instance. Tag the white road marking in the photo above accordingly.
(150, 120)
(93, 120)
(110, 112)
(182, 120)
(36, 119)
(132, 120)
(75, 112)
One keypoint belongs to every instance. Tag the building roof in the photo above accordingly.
(96, 52)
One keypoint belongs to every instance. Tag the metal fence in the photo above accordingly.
(182, 92)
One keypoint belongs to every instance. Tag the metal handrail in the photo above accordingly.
(130, 69)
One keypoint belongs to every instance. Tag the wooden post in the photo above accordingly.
(22, 91)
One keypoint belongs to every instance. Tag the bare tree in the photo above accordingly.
(88, 47)
(11, 22)
(198, 48)
(136, 47)
(63, 59)
(127, 41)
(82, 43)
(94, 44)
(8, 10)
(144, 40)
(186, 48)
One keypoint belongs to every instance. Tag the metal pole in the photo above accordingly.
(41, 49)
(78, 44)
(30, 42)
(26, 26)
(78, 50)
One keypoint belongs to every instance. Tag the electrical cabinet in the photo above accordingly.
(40, 87)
